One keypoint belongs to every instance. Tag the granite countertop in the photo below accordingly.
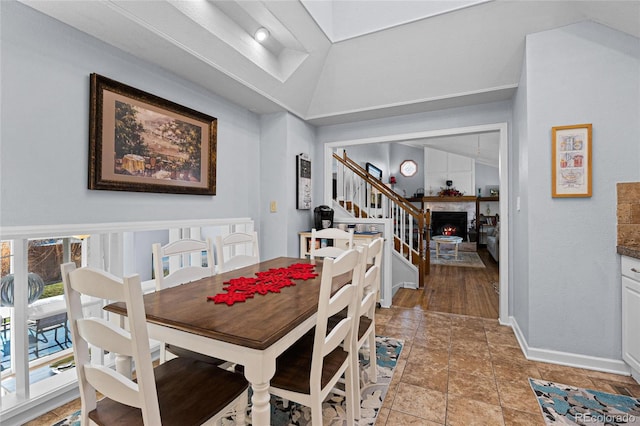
(631, 251)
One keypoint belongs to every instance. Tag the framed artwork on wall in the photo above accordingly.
(141, 142)
(375, 196)
(571, 161)
(303, 182)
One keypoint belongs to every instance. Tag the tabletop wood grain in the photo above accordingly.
(256, 323)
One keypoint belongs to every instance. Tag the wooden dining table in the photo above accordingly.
(251, 333)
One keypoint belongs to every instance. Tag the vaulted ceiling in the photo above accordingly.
(434, 55)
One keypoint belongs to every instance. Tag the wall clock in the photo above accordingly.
(408, 168)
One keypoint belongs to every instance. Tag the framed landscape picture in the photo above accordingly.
(571, 161)
(141, 142)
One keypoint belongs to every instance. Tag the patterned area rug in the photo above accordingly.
(570, 405)
(334, 409)
(467, 259)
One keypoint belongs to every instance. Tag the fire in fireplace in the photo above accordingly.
(449, 223)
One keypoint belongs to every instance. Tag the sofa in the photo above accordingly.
(493, 242)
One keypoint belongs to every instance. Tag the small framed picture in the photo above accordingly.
(493, 191)
(571, 161)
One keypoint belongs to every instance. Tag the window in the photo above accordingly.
(408, 168)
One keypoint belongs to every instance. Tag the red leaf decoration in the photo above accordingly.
(271, 281)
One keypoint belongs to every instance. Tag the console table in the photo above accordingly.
(359, 238)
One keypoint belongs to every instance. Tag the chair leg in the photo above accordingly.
(241, 408)
(373, 358)
(316, 412)
(350, 393)
(355, 385)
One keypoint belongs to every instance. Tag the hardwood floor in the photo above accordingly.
(457, 290)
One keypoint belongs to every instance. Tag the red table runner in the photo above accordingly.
(271, 281)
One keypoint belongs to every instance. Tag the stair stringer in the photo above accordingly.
(404, 273)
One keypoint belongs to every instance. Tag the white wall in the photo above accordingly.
(377, 155)
(568, 297)
(284, 136)
(486, 176)
(44, 135)
(399, 153)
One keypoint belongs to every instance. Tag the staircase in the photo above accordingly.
(363, 196)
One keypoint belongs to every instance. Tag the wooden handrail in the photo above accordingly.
(421, 216)
(377, 184)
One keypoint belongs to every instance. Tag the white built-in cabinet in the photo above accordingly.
(631, 313)
(441, 166)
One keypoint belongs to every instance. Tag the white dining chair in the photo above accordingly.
(341, 241)
(182, 391)
(309, 370)
(366, 323)
(236, 250)
(185, 258)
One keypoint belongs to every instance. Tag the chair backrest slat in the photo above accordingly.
(188, 254)
(342, 241)
(237, 250)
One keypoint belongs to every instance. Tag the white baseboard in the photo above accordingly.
(606, 365)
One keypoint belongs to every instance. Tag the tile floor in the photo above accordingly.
(458, 370)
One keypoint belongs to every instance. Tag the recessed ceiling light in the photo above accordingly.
(261, 34)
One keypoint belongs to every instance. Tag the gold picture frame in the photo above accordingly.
(572, 161)
(143, 143)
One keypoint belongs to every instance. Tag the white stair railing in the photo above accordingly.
(364, 196)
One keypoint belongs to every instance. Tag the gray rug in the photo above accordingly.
(334, 409)
(466, 259)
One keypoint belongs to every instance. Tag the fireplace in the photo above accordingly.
(449, 223)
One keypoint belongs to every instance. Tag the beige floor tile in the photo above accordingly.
(461, 333)
(468, 412)
(419, 402)
(396, 418)
(465, 363)
(518, 396)
(443, 333)
(500, 338)
(413, 315)
(470, 323)
(478, 388)
(436, 342)
(426, 376)
(611, 377)
(428, 355)
(494, 324)
(478, 348)
(383, 416)
(506, 352)
(399, 332)
(46, 420)
(520, 418)
(514, 370)
(568, 377)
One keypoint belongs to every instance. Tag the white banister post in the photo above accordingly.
(19, 329)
